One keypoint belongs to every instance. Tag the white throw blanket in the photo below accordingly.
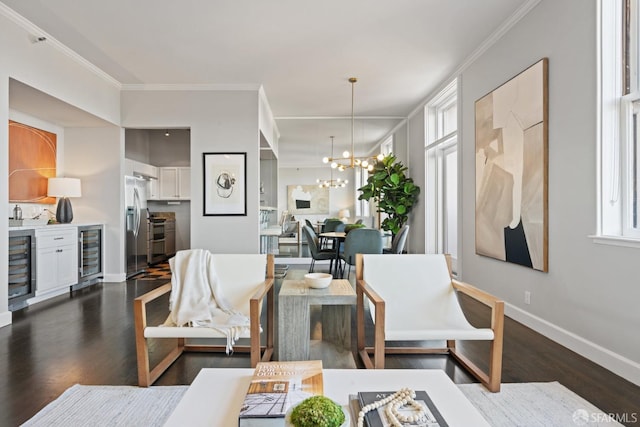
(197, 299)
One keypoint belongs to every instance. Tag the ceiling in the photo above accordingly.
(301, 52)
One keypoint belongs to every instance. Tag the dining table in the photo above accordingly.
(337, 237)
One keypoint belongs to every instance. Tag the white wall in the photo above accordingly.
(415, 163)
(5, 315)
(95, 156)
(220, 121)
(588, 299)
(266, 123)
(45, 68)
(269, 181)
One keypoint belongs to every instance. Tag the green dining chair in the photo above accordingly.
(360, 241)
(317, 254)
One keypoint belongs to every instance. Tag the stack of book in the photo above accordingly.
(378, 418)
(276, 387)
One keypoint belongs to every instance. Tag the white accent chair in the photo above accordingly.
(414, 298)
(245, 285)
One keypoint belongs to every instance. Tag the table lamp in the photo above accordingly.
(344, 215)
(63, 188)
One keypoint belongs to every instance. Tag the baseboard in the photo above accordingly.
(5, 318)
(117, 278)
(619, 365)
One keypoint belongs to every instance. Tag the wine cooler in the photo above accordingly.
(22, 268)
(90, 255)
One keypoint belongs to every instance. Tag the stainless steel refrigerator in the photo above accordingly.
(135, 224)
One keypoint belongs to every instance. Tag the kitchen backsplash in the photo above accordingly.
(32, 210)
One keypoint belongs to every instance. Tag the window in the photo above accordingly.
(362, 206)
(441, 160)
(386, 147)
(619, 148)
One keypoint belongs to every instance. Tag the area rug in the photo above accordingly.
(535, 405)
(523, 405)
(84, 405)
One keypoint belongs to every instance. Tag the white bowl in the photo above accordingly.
(318, 280)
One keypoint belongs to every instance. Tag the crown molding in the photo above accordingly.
(37, 32)
(248, 87)
(340, 118)
(520, 13)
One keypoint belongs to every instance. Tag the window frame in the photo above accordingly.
(437, 146)
(618, 67)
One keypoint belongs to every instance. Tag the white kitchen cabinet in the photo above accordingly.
(153, 192)
(135, 168)
(175, 183)
(184, 182)
(56, 259)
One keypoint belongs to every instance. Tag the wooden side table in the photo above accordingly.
(294, 301)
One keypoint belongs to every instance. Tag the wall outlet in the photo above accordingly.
(527, 297)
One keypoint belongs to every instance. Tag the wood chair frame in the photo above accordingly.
(491, 379)
(147, 376)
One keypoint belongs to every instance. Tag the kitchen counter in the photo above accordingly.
(56, 225)
(169, 216)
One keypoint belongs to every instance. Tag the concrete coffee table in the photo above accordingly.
(294, 302)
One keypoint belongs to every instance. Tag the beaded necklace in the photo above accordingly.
(403, 397)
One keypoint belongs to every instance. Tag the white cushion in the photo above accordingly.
(240, 276)
(420, 302)
(184, 332)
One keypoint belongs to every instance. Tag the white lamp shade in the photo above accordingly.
(64, 187)
(344, 213)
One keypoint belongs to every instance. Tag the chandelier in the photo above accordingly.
(332, 183)
(349, 160)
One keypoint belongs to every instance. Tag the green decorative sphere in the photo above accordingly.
(317, 411)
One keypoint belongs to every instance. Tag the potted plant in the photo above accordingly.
(393, 191)
(350, 227)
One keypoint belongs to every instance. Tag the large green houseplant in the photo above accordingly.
(392, 190)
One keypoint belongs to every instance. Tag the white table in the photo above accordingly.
(214, 398)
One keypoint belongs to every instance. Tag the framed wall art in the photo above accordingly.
(307, 200)
(32, 161)
(512, 170)
(225, 184)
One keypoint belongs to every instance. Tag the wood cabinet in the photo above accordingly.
(56, 259)
(175, 183)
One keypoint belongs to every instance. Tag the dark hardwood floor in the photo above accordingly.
(87, 337)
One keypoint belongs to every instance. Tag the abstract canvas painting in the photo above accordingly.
(32, 161)
(307, 200)
(511, 170)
